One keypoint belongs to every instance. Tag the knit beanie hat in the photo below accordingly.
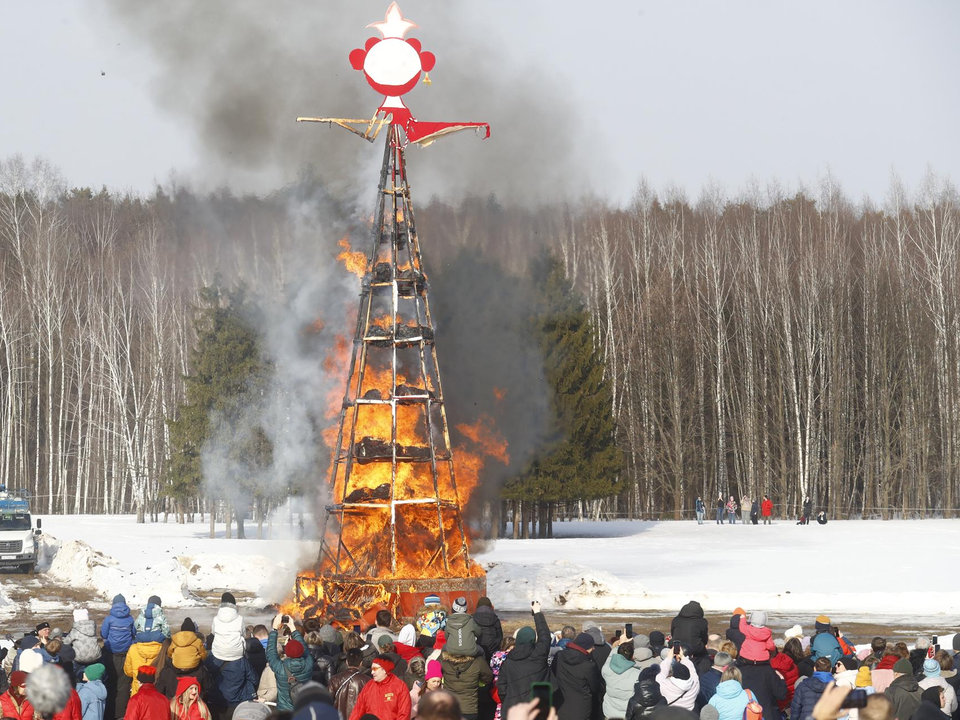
(526, 636)
(903, 667)
(931, 668)
(188, 625)
(864, 678)
(17, 678)
(431, 600)
(657, 639)
(680, 671)
(30, 660)
(146, 674)
(228, 598)
(849, 662)
(293, 649)
(95, 671)
(584, 640)
(43, 626)
(587, 625)
(758, 618)
(823, 623)
(384, 662)
(119, 598)
(48, 689)
(484, 602)
(383, 641)
(460, 605)
(740, 611)
(184, 683)
(665, 653)
(154, 600)
(434, 670)
(80, 615)
(328, 634)
(597, 635)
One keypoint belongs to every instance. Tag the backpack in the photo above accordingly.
(753, 710)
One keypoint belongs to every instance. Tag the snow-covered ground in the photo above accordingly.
(866, 568)
(859, 566)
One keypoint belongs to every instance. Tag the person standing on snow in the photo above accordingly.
(701, 510)
(578, 678)
(807, 511)
(755, 511)
(732, 511)
(689, 628)
(766, 510)
(526, 663)
(745, 505)
(491, 631)
(719, 509)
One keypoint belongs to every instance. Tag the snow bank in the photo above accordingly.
(560, 585)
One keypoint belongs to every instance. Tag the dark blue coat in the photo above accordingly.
(233, 681)
(807, 694)
(708, 686)
(117, 627)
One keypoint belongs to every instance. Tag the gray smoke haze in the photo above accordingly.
(241, 71)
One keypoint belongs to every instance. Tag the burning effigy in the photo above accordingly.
(394, 534)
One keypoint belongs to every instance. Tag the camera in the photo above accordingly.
(856, 699)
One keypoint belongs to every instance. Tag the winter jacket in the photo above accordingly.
(345, 688)
(491, 631)
(388, 700)
(83, 639)
(523, 665)
(300, 668)
(690, 628)
(949, 694)
(904, 693)
(186, 650)
(620, 676)
(374, 635)
(233, 681)
(168, 678)
(783, 663)
(267, 689)
(257, 657)
(745, 504)
(153, 621)
(646, 696)
(228, 641)
(757, 643)
(708, 686)
(730, 700)
(20, 709)
(679, 693)
(73, 709)
(766, 508)
(733, 633)
(324, 666)
(148, 704)
(767, 687)
(578, 682)
(139, 654)
(808, 509)
(93, 699)
(825, 644)
(468, 678)
(807, 694)
(117, 628)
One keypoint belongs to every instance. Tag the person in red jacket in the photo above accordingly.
(784, 664)
(186, 704)
(149, 703)
(387, 696)
(73, 710)
(758, 639)
(766, 510)
(14, 701)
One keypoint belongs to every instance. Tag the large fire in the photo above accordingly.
(399, 486)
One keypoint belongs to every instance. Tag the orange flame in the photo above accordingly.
(355, 262)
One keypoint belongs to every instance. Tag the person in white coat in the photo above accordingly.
(679, 682)
(228, 642)
(933, 678)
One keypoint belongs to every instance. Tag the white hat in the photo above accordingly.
(795, 632)
(80, 614)
(30, 660)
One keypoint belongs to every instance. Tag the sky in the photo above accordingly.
(682, 92)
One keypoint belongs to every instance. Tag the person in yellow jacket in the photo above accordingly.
(142, 652)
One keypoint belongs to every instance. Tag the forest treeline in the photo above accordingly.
(780, 344)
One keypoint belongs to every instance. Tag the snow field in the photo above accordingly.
(855, 568)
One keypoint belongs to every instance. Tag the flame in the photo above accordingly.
(399, 215)
(499, 393)
(355, 262)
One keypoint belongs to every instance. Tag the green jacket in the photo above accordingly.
(300, 668)
(467, 678)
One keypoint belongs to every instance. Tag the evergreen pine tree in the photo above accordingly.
(220, 416)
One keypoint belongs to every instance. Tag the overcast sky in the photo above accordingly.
(681, 91)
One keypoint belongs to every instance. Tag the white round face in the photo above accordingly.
(392, 62)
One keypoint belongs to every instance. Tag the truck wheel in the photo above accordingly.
(28, 568)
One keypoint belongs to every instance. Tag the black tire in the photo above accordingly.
(28, 568)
